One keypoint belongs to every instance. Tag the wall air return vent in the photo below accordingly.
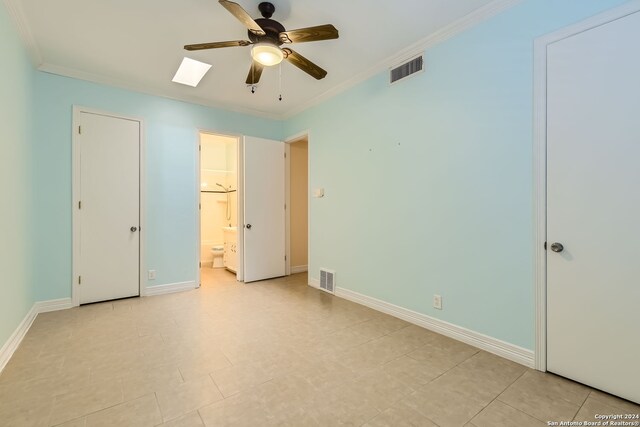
(406, 69)
(327, 280)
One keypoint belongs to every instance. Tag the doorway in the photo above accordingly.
(218, 208)
(297, 190)
(107, 192)
(587, 202)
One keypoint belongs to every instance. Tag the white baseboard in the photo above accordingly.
(169, 289)
(16, 338)
(53, 305)
(314, 283)
(492, 345)
(299, 269)
(18, 335)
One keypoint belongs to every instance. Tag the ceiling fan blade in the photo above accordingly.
(304, 64)
(242, 16)
(310, 34)
(254, 73)
(216, 45)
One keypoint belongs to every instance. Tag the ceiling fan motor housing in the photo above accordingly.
(272, 31)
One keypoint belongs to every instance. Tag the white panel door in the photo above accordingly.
(264, 211)
(110, 211)
(593, 161)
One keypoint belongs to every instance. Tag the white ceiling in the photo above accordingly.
(138, 44)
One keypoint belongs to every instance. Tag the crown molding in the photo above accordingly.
(150, 90)
(16, 13)
(474, 18)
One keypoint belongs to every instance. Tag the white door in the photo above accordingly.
(264, 210)
(109, 212)
(593, 176)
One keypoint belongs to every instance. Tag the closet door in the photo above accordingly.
(109, 208)
(593, 217)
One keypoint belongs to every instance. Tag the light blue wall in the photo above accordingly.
(171, 132)
(429, 182)
(16, 251)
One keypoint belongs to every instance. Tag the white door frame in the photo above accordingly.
(287, 194)
(239, 208)
(540, 164)
(75, 198)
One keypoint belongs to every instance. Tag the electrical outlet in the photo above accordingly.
(152, 275)
(437, 302)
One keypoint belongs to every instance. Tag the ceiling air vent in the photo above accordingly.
(327, 280)
(406, 69)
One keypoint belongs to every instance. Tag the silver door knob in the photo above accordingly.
(248, 226)
(134, 229)
(557, 247)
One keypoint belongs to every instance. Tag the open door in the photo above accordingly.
(264, 209)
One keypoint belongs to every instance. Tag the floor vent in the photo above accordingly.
(327, 280)
(407, 69)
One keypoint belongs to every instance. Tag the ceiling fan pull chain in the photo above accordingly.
(280, 77)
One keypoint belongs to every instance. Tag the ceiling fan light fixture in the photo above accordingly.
(267, 54)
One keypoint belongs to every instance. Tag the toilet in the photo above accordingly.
(218, 253)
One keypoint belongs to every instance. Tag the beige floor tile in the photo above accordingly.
(616, 402)
(187, 397)
(29, 412)
(191, 419)
(412, 372)
(140, 412)
(234, 379)
(593, 407)
(203, 364)
(282, 353)
(498, 414)
(449, 406)
(145, 381)
(83, 401)
(545, 396)
(400, 415)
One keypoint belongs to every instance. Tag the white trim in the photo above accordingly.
(16, 12)
(287, 204)
(169, 288)
(474, 18)
(16, 337)
(11, 345)
(299, 269)
(140, 87)
(53, 305)
(477, 16)
(540, 163)
(492, 345)
(314, 283)
(304, 135)
(75, 185)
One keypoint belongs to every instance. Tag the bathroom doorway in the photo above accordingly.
(297, 193)
(219, 249)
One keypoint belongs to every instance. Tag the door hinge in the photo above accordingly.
(285, 257)
(285, 155)
(200, 206)
(199, 147)
(79, 280)
(79, 204)
(200, 264)
(79, 130)
(545, 246)
(285, 206)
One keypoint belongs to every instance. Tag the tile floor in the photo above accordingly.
(271, 353)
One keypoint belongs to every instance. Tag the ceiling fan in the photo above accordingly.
(267, 35)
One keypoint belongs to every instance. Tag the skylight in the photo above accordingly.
(191, 72)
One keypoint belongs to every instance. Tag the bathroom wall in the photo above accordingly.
(17, 237)
(218, 164)
(429, 182)
(299, 204)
